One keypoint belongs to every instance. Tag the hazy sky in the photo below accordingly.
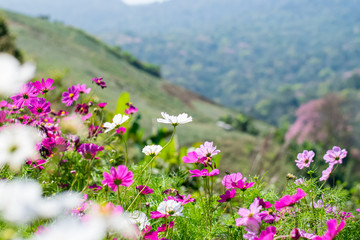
(136, 2)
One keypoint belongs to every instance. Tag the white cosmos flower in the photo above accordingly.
(174, 120)
(117, 121)
(152, 150)
(138, 218)
(171, 208)
(21, 202)
(71, 228)
(13, 75)
(17, 143)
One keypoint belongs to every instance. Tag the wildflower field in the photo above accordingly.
(66, 173)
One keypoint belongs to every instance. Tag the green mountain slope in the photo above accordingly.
(55, 47)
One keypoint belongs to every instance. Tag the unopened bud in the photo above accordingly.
(290, 176)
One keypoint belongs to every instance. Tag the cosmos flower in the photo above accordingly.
(152, 150)
(120, 130)
(250, 217)
(236, 180)
(204, 173)
(267, 234)
(191, 157)
(13, 75)
(207, 150)
(82, 88)
(131, 109)
(82, 109)
(27, 93)
(120, 176)
(326, 173)
(89, 150)
(167, 209)
(227, 196)
(174, 120)
(39, 106)
(117, 121)
(336, 155)
(17, 144)
(145, 190)
(45, 85)
(288, 200)
(99, 82)
(304, 159)
(332, 231)
(101, 105)
(70, 96)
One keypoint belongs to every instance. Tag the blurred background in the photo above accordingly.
(263, 79)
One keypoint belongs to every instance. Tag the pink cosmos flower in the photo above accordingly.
(148, 234)
(267, 234)
(82, 109)
(3, 104)
(144, 190)
(95, 187)
(28, 92)
(82, 88)
(165, 227)
(191, 157)
(181, 199)
(131, 109)
(236, 180)
(94, 131)
(2, 116)
(70, 96)
(120, 176)
(101, 105)
(121, 130)
(207, 150)
(333, 230)
(300, 181)
(304, 159)
(288, 200)
(358, 210)
(39, 106)
(45, 85)
(227, 196)
(99, 82)
(204, 173)
(89, 150)
(326, 173)
(38, 164)
(264, 204)
(336, 155)
(250, 217)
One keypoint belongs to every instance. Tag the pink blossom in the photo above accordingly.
(236, 180)
(165, 227)
(207, 150)
(2, 116)
(99, 82)
(27, 93)
(89, 150)
(267, 234)
(204, 173)
(82, 109)
(191, 157)
(120, 176)
(227, 196)
(121, 130)
(94, 131)
(336, 155)
(144, 190)
(45, 85)
(39, 106)
(358, 210)
(131, 109)
(333, 230)
(304, 159)
(70, 96)
(288, 200)
(250, 217)
(264, 204)
(181, 199)
(95, 187)
(101, 105)
(326, 173)
(82, 88)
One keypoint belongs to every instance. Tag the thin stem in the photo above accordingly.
(126, 152)
(118, 193)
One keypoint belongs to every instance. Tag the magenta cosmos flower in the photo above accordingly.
(250, 217)
(131, 109)
(28, 92)
(304, 159)
(39, 106)
(89, 150)
(207, 150)
(227, 196)
(45, 85)
(336, 155)
(82, 88)
(203, 173)
(332, 231)
(288, 200)
(267, 234)
(101, 105)
(236, 180)
(120, 176)
(70, 96)
(144, 190)
(99, 82)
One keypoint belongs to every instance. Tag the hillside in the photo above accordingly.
(262, 57)
(58, 48)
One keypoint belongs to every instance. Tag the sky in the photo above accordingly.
(137, 2)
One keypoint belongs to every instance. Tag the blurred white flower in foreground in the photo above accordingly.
(117, 121)
(151, 150)
(138, 218)
(17, 142)
(174, 120)
(71, 229)
(21, 202)
(13, 75)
